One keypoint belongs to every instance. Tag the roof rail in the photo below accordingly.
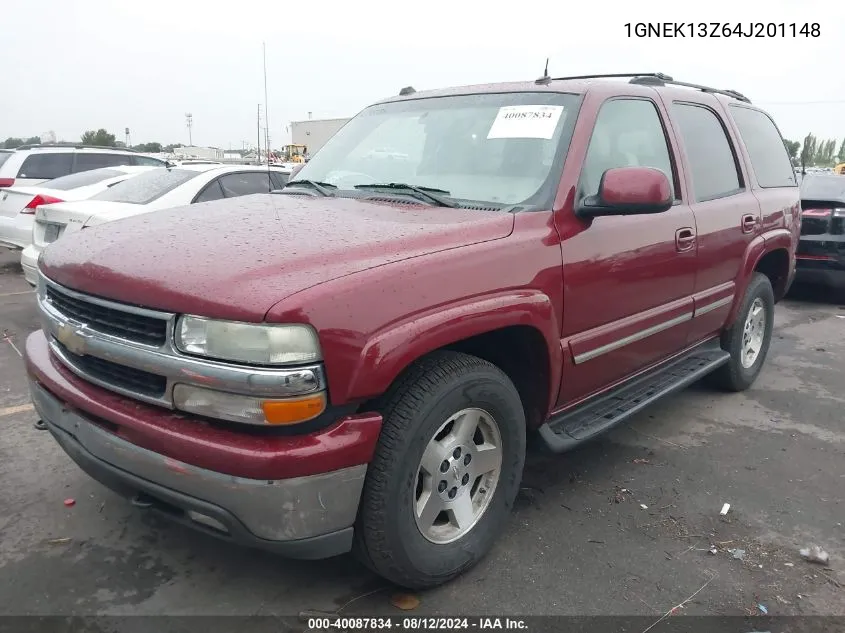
(651, 80)
(76, 146)
(660, 76)
(657, 79)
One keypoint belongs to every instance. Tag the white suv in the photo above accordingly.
(33, 164)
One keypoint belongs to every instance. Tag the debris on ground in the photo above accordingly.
(781, 599)
(642, 460)
(725, 509)
(713, 550)
(763, 609)
(70, 502)
(644, 506)
(405, 601)
(789, 564)
(737, 554)
(58, 541)
(815, 554)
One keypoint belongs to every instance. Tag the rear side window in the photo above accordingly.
(147, 161)
(245, 184)
(82, 179)
(148, 186)
(46, 165)
(765, 148)
(279, 180)
(211, 192)
(711, 159)
(86, 161)
(4, 156)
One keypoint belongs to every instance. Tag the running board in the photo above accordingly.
(567, 430)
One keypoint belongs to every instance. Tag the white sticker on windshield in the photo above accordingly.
(526, 121)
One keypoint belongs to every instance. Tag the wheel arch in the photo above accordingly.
(518, 333)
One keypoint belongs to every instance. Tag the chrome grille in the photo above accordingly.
(133, 327)
(120, 376)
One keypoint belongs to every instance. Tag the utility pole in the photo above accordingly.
(266, 107)
(258, 127)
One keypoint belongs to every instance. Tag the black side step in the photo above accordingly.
(570, 428)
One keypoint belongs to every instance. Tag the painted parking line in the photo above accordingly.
(15, 294)
(16, 409)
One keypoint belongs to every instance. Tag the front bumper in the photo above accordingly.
(818, 276)
(307, 517)
(291, 505)
(16, 231)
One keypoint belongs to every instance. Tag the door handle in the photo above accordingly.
(684, 239)
(749, 223)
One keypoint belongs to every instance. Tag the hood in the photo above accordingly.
(236, 258)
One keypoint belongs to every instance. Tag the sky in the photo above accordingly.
(72, 65)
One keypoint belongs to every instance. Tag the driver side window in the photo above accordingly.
(628, 133)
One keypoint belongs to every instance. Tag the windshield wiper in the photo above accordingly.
(426, 193)
(320, 187)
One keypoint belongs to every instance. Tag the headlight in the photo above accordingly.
(247, 342)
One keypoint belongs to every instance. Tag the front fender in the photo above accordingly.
(389, 351)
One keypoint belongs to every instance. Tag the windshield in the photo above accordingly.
(490, 148)
(148, 186)
(82, 179)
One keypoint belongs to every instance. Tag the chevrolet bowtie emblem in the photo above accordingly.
(73, 339)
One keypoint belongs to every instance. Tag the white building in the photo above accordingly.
(313, 133)
(209, 153)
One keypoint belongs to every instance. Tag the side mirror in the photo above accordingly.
(628, 191)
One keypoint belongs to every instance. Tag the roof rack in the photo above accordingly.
(76, 146)
(407, 90)
(653, 79)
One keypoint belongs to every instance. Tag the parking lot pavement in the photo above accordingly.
(580, 542)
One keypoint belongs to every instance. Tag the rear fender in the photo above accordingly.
(389, 351)
(757, 248)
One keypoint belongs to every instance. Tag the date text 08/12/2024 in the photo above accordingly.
(722, 29)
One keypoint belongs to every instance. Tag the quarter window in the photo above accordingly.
(765, 147)
(46, 165)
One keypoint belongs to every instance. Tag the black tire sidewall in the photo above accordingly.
(759, 287)
(485, 389)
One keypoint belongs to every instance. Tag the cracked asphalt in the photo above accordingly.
(623, 526)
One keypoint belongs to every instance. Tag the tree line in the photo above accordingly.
(100, 138)
(815, 152)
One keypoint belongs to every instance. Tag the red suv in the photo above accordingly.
(355, 362)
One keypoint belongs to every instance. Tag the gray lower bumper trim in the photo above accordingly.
(271, 511)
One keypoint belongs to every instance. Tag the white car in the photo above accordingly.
(33, 164)
(18, 204)
(158, 189)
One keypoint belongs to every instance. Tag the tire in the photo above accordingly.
(429, 394)
(734, 375)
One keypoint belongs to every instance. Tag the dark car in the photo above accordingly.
(820, 259)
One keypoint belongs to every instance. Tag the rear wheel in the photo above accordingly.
(446, 470)
(748, 339)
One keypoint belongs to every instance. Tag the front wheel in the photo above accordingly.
(445, 473)
(748, 339)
